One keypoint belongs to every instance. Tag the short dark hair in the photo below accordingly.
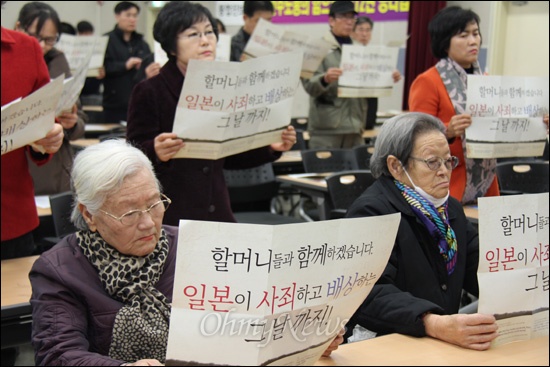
(125, 5)
(174, 18)
(67, 28)
(84, 26)
(446, 24)
(220, 25)
(251, 7)
(38, 10)
(363, 20)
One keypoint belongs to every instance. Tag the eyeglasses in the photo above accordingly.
(196, 36)
(50, 41)
(133, 216)
(435, 163)
(349, 16)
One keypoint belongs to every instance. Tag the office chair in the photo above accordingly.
(372, 109)
(252, 193)
(299, 123)
(523, 177)
(328, 160)
(320, 161)
(362, 155)
(301, 143)
(344, 187)
(61, 206)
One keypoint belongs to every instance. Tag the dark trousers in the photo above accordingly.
(114, 115)
(372, 108)
(18, 247)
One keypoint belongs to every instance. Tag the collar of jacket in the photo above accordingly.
(329, 37)
(134, 36)
(172, 77)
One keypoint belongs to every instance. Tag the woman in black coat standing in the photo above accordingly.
(197, 187)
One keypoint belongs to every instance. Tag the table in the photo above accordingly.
(83, 143)
(471, 212)
(367, 134)
(289, 162)
(314, 185)
(95, 130)
(16, 308)
(397, 349)
(92, 108)
(43, 212)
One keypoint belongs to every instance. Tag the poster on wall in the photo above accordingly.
(230, 12)
(317, 11)
(301, 12)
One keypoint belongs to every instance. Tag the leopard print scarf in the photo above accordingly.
(479, 172)
(140, 330)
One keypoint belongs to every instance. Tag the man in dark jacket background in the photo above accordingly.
(252, 12)
(123, 58)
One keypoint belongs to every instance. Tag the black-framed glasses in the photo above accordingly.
(133, 216)
(50, 41)
(196, 36)
(435, 163)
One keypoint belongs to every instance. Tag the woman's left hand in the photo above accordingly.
(545, 120)
(289, 139)
(339, 339)
(68, 118)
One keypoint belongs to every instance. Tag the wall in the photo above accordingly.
(515, 39)
(101, 16)
(514, 36)
(526, 48)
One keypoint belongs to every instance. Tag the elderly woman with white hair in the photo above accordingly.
(102, 296)
(436, 251)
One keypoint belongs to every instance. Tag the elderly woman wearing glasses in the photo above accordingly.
(102, 296)
(197, 187)
(436, 251)
(41, 21)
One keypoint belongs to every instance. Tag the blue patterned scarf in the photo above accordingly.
(435, 220)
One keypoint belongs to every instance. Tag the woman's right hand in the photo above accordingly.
(472, 331)
(167, 145)
(51, 143)
(458, 124)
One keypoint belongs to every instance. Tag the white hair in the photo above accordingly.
(99, 170)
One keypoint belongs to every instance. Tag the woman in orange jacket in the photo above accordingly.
(441, 91)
